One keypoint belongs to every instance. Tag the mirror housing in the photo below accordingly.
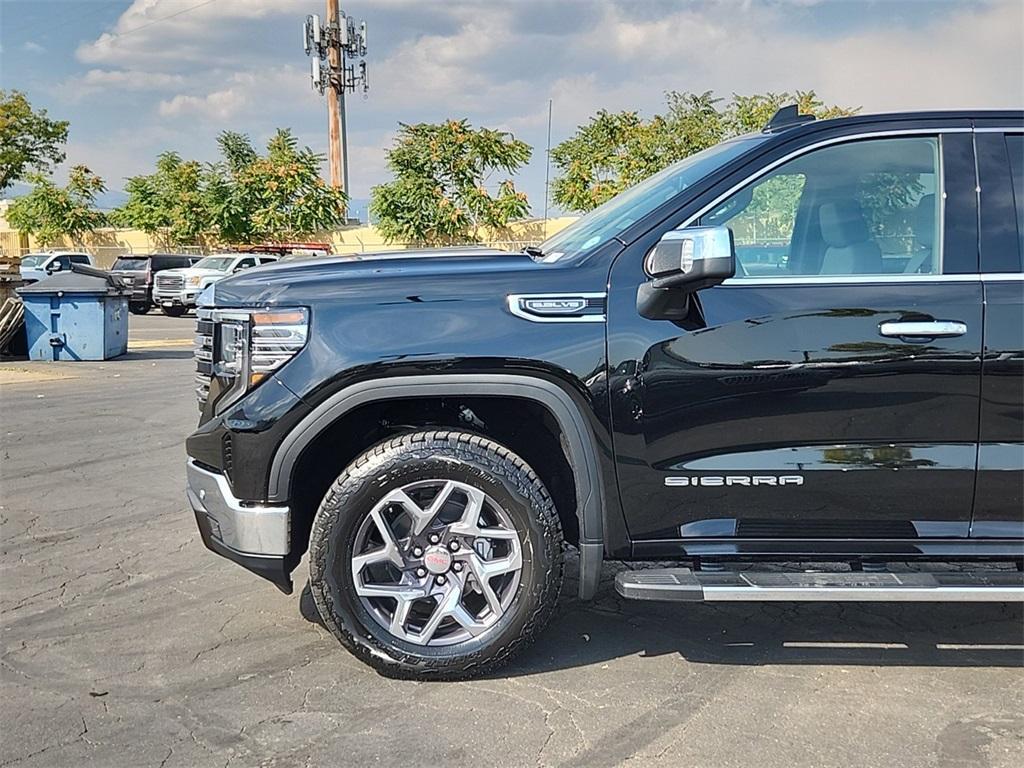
(691, 258)
(54, 266)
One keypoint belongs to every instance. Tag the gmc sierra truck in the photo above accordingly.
(801, 346)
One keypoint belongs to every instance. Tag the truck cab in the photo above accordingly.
(36, 266)
(791, 365)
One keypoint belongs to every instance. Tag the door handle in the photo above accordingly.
(932, 329)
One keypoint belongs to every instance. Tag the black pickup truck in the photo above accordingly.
(801, 346)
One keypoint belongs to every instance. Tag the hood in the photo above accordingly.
(283, 280)
(190, 272)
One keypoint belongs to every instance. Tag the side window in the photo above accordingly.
(245, 263)
(79, 258)
(63, 260)
(864, 208)
(1015, 148)
(268, 259)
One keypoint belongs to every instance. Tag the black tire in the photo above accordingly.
(174, 311)
(138, 307)
(447, 455)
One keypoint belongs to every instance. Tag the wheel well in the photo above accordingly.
(523, 426)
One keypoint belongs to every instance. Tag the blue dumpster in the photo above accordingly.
(77, 315)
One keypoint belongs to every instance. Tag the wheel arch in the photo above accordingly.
(578, 441)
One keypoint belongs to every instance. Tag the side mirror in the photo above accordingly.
(692, 258)
(679, 265)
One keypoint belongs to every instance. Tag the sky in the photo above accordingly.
(138, 78)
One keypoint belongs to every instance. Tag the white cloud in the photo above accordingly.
(32, 47)
(265, 91)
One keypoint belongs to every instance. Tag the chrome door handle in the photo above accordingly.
(932, 329)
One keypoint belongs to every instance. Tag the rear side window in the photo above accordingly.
(79, 259)
(1015, 149)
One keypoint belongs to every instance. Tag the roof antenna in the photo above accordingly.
(787, 117)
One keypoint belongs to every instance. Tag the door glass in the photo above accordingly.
(80, 259)
(863, 208)
(1015, 149)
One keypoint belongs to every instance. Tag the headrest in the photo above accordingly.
(924, 221)
(842, 224)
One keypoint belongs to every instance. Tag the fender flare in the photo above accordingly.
(578, 441)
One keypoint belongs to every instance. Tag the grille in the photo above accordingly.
(170, 282)
(203, 354)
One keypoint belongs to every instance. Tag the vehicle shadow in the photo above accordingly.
(869, 634)
(157, 354)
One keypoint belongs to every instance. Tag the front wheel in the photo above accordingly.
(174, 311)
(436, 555)
(138, 307)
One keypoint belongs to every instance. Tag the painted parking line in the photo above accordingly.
(158, 343)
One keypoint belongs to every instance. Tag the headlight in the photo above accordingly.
(250, 345)
(195, 280)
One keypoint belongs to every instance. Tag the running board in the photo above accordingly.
(682, 584)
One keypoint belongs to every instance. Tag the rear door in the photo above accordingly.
(830, 390)
(999, 499)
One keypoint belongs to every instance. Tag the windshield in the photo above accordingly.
(219, 263)
(34, 259)
(131, 265)
(608, 220)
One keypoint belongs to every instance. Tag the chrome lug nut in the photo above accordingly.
(421, 572)
(434, 538)
(441, 580)
(417, 551)
(457, 567)
(453, 546)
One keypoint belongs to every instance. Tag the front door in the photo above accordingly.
(830, 390)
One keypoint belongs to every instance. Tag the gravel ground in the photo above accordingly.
(126, 643)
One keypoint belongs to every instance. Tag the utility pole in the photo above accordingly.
(333, 45)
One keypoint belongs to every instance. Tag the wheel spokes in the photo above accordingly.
(431, 603)
(388, 553)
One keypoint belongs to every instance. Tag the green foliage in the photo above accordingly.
(439, 195)
(614, 151)
(243, 198)
(278, 196)
(49, 212)
(170, 200)
(29, 140)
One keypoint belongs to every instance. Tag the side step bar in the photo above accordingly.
(682, 584)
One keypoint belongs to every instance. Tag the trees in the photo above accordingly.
(273, 197)
(170, 200)
(614, 151)
(439, 195)
(49, 212)
(244, 197)
(29, 140)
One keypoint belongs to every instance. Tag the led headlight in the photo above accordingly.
(251, 345)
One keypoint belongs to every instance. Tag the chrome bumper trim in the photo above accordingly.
(251, 530)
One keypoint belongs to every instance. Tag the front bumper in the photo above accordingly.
(253, 535)
(184, 298)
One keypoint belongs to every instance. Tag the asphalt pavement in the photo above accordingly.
(126, 643)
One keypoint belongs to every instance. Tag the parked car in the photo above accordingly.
(647, 385)
(36, 266)
(175, 290)
(138, 271)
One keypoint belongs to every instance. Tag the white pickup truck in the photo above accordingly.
(175, 290)
(36, 266)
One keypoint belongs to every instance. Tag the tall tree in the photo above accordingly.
(276, 196)
(29, 140)
(170, 200)
(50, 212)
(439, 195)
(614, 151)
